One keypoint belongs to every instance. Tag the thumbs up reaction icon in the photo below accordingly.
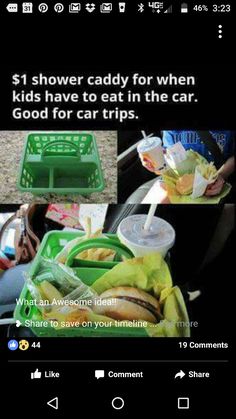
(35, 374)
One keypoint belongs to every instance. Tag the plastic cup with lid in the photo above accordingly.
(151, 153)
(160, 236)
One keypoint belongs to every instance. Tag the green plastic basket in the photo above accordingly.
(51, 245)
(60, 163)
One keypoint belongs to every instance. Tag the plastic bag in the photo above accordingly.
(58, 292)
(65, 279)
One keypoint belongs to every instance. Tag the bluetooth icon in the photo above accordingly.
(140, 7)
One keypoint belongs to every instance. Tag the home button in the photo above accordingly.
(117, 403)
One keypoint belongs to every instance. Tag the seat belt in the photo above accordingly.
(212, 146)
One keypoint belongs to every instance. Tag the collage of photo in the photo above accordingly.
(97, 238)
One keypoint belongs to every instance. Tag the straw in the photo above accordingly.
(7, 321)
(150, 215)
(144, 134)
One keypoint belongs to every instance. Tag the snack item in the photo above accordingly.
(128, 303)
(208, 171)
(49, 292)
(205, 174)
(159, 238)
(151, 153)
(91, 254)
(97, 254)
(69, 314)
(184, 184)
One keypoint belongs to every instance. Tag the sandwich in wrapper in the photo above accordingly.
(129, 303)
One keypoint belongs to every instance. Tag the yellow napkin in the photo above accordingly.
(170, 179)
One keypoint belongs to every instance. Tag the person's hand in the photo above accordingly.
(216, 187)
(148, 164)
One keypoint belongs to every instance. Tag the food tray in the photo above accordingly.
(53, 242)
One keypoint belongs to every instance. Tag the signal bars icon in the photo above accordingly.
(169, 10)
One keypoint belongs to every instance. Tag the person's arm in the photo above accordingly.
(224, 172)
(228, 168)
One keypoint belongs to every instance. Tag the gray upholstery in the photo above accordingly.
(11, 284)
(137, 196)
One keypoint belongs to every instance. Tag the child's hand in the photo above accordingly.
(216, 187)
(148, 164)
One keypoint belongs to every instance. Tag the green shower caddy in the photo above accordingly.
(61, 163)
(88, 271)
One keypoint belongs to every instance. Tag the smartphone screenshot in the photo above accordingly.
(117, 207)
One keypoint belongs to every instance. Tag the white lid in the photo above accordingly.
(161, 233)
(148, 144)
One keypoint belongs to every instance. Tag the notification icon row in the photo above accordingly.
(27, 7)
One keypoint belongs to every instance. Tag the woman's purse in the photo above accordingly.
(26, 241)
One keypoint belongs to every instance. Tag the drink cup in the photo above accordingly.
(159, 238)
(151, 153)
